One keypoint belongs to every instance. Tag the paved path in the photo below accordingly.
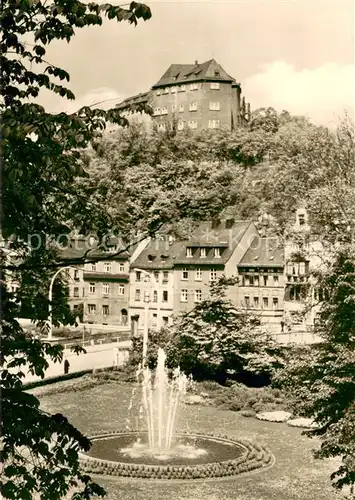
(97, 356)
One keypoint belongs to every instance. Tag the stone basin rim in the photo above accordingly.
(254, 459)
(192, 435)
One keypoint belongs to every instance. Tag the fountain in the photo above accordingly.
(159, 451)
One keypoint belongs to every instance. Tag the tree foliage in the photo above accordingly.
(43, 155)
(322, 383)
(217, 341)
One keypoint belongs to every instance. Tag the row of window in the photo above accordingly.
(107, 268)
(184, 295)
(214, 106)
(165, 276)
(255, 303)
(165, 296)
(182, 88)
(191, 124)
(202, 252)
(92, 309)
(105, 289)
(198, 274)
(255, 280)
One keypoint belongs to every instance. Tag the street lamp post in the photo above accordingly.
(50, 297)
(149, 275)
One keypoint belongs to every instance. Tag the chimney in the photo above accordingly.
(196, 63)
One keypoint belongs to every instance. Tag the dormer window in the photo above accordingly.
(203, 253)
(151, 258)
(217, 253)
(189, 252)
(216, 73)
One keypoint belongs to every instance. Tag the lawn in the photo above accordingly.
(296, 475)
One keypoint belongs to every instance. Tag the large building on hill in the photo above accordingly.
(195, 96)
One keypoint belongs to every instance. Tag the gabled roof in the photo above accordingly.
(160, 254)
(181, 73)
(142, 98)
(263, 252)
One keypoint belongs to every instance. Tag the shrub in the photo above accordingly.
(248, 413)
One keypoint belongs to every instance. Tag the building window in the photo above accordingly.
(185, 274)
(276, 280)
(137, 297)
(275, 303)
(181, 108)
(105, 288)
(164, 110)
(198, 295)
(76, 274)
(162, 126)
(138, 275)
(193, 106)
(217, 253)
(189, 252)
(213, 274)
(165, 320)
(265, 280)
(198, 275)
(256, 280)
(214, 106)
(213, 123)
(107, 267)
(183, 296)
(93, 267)
(91, 308)
(247, 300)
(156, 111)
(120, 289)
(265, 302)
(180, 125)
(155, 320)
(165, 296)
(194, 86)
(76, 291)
(256, 302)
(105, 310)
(214, 86)
(173, 90)
(156, 276)
(165, 276)
(155, 296)
(158, 92)
(121, 267)
(203, 253)
(92, 288)
(193, 124)
(182, 88)
(302, 268)
(166, 90)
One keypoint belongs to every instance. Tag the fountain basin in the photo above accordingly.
(193, 456)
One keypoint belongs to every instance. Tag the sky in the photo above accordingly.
(296, 55)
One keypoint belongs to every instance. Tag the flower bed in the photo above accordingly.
(254, 457)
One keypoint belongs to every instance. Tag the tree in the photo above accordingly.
(217, 341)
(322, 383)
(42, 155)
